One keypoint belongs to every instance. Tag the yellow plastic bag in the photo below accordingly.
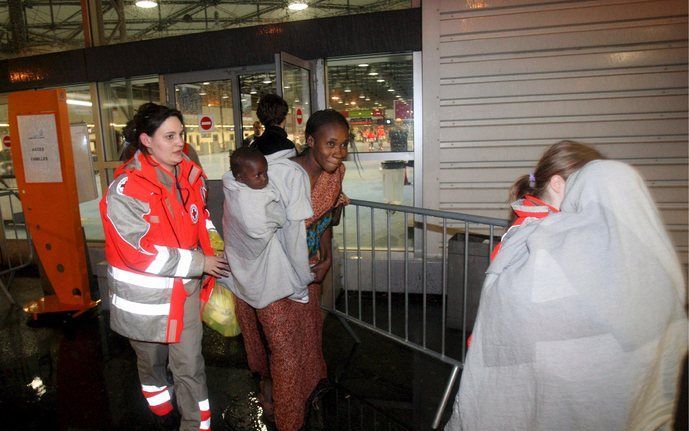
(219, 312)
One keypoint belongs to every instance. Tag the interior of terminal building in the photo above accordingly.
(448, 102)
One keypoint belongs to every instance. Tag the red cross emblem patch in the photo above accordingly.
(194, 212)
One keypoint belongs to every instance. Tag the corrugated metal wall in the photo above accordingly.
(503, 80)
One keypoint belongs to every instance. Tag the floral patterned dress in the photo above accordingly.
(293, 356)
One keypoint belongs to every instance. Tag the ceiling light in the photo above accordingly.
(347, 90)
(176, 89)
(363, 65)
(146, 4)
(202, 93)
(267, 80)
(391, 90)
(362, 97)
(335, 98)
(79, 102)
(353, 102)
(372, 73)
(297, 5)
(368, 99)
(253, 91)
(225, 96)
(206, 83)
(287, 87)
(380, 80)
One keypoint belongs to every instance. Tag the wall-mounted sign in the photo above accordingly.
(6, 141)
(40, 149)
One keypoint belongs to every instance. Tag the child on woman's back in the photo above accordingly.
(252, 214)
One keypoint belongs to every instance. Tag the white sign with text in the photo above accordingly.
(40, 148)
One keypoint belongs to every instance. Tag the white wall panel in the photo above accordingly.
(505, 79)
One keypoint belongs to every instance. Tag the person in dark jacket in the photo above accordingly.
(272, 113)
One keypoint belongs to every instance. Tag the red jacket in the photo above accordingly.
(156, 236)
(527, 207)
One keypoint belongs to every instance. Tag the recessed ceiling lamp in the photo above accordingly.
(206, 83)
(363, 65)
(391, 90)
(380, 80)
(146, 4)
(297, 5)
(372, 73)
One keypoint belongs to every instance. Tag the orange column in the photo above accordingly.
(44, 167)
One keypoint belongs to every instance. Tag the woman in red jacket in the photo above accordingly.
(157, 246)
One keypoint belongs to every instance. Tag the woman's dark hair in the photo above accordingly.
(147, 119)
(271, 110)
(321, 118)
(563, 159)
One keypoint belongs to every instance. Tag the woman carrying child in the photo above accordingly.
(291, 364)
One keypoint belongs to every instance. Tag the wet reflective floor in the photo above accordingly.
(75, 374)
(60, 373)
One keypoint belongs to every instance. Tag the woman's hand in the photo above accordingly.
(216, 266)
(320, 270)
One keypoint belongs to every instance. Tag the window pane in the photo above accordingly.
(119, 100)
(213, 137)
(375, 94)
(252, 87)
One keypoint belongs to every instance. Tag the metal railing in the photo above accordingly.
(407, 256)
(16, 249)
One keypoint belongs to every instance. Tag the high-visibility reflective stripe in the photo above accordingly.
(151, 282)
(184, 263)
(159, 399)
(203, 405)
(149, 388)
(161, 258)
(139, 308)
(205, 425)
(209, 224)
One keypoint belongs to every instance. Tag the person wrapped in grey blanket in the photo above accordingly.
(582, 323)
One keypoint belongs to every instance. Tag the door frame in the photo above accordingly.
(231, 74)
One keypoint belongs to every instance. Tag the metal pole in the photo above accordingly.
(373, 264)
(446, 396)
(389, 256)
(464, 289)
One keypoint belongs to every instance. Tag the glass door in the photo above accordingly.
(294, 84)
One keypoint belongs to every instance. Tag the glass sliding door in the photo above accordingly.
(209, 117)
(294, 85)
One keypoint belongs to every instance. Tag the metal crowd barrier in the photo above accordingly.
(394, 264)
(16, 249)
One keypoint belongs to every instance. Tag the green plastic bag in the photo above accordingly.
(219, 312)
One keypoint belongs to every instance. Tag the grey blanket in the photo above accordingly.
(582, 322)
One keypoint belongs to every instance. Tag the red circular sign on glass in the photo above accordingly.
(6, 141)
(300, 117)
(206, 123)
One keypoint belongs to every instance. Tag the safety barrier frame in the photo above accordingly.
(420, 218)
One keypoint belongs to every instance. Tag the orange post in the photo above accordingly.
(44, 167)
